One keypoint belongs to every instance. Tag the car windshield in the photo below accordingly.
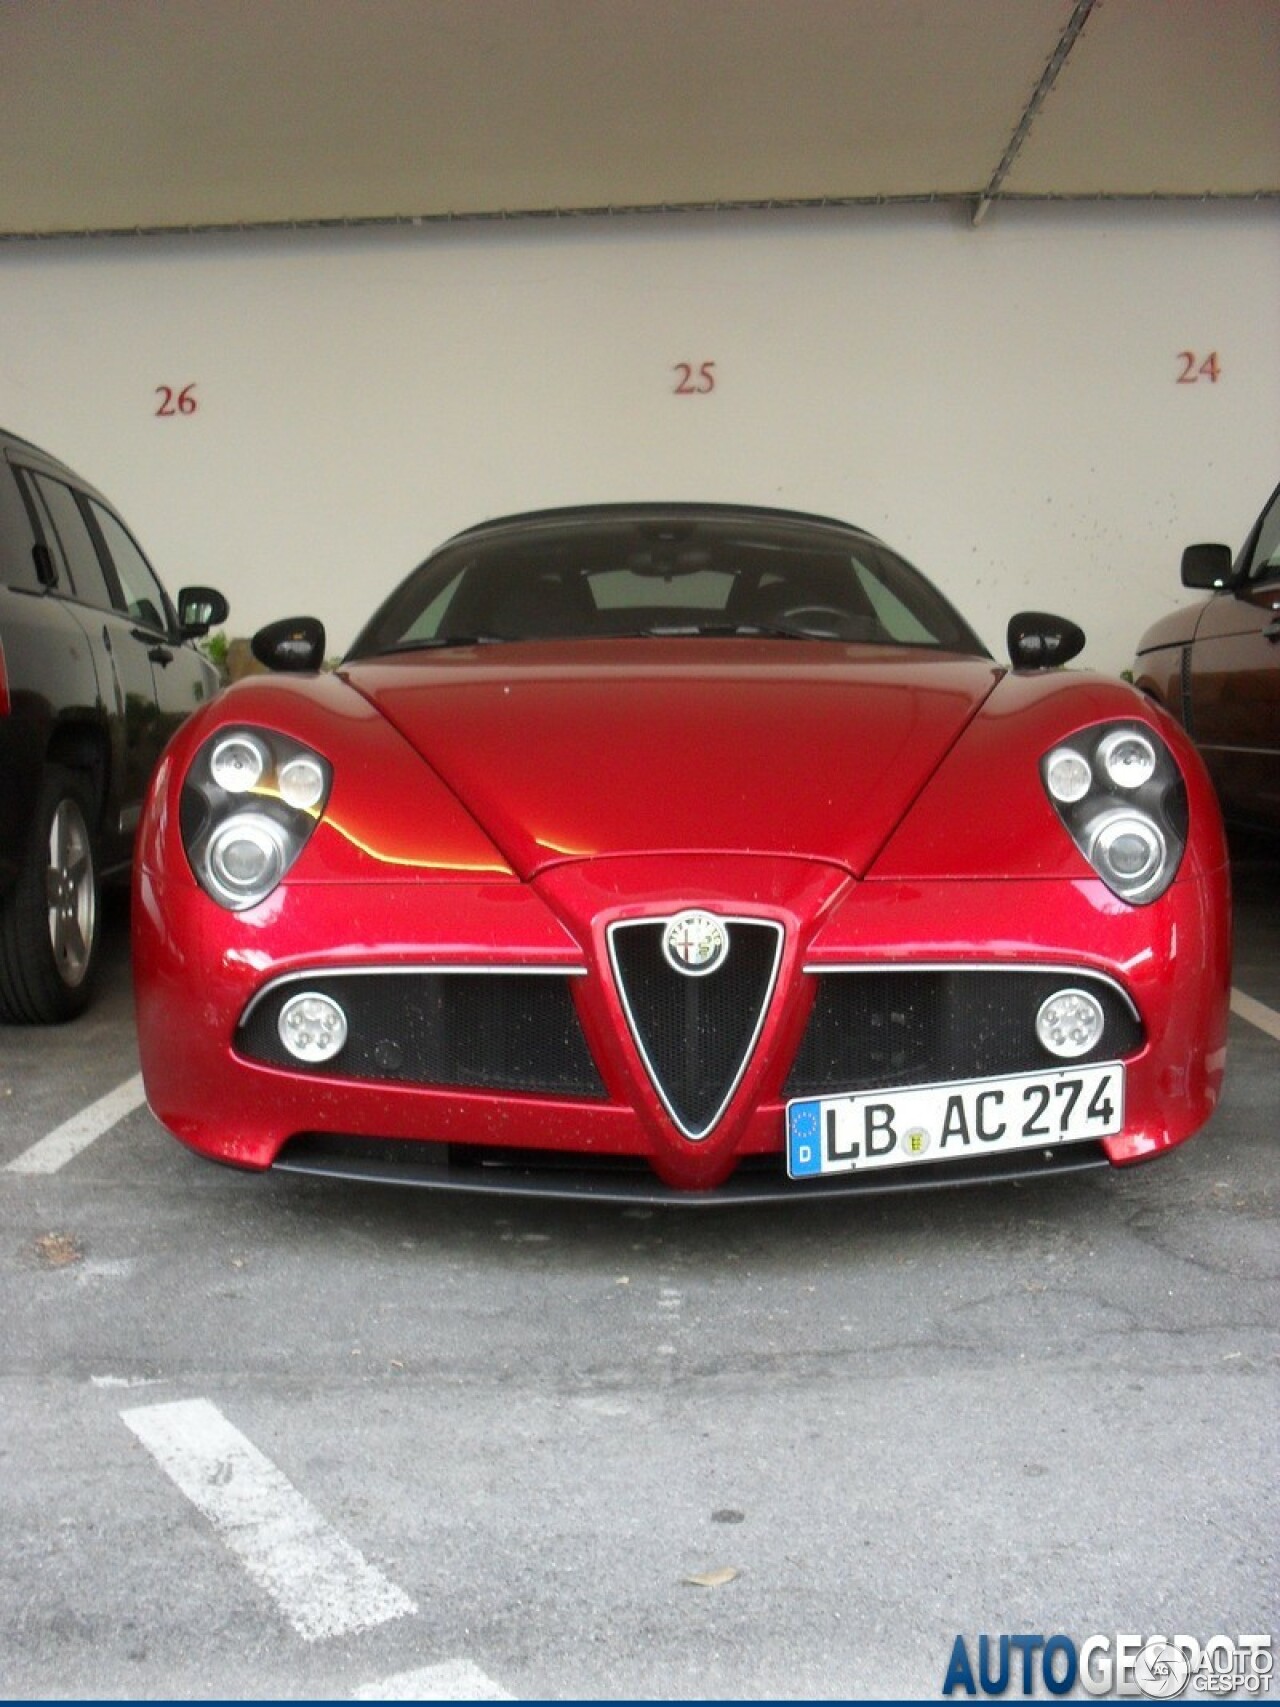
(666, 574)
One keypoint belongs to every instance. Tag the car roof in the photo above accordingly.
(29, 451)
(649, 510)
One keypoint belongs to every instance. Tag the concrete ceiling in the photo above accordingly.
(182, 114)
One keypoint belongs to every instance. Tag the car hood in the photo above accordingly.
(577, 750)
(1175, 629)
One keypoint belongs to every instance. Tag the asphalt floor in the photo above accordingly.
(284, 1437)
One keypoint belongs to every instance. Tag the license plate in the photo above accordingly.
(943, 1123)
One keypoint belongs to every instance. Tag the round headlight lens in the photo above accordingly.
(1070, 1023)
(301, 783)
(312, 1027)
(237, 763)
(246, 858)
(1067, 775)
(1128, 758)
(1128, 850)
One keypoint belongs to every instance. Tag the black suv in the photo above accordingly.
(97, 669)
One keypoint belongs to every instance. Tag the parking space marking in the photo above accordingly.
(455, 1680)
(320, 1582)
(58, 1147)
(1257, 1013)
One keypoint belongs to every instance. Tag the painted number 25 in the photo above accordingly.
(694, 381)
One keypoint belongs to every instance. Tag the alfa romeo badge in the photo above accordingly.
(695, 943)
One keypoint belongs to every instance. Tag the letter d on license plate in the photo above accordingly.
(941, 1123)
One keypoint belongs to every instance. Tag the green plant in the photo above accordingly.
(214, 647)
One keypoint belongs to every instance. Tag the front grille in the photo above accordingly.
(695, 1033)
(871, 1030)
(481, 1030)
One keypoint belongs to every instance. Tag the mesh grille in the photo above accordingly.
(508, 1032)
(874, 1029)
(695, 1033)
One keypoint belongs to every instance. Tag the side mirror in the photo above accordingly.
(199, 609)
(1206, 566)
(295, 643)
(1038, 641)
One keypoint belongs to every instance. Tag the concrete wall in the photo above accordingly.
(1001, 404)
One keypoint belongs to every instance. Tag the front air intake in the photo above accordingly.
(483, 1029)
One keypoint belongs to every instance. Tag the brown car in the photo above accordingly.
(1216, 666)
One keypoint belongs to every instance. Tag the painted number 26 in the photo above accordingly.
(175, 402)
(694, 381)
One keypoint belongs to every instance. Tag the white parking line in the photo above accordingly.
(58, 1147)
(320, 1582)
(455, 1680)
(1257, 1013)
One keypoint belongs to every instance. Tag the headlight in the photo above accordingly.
(1127, 849)
(249, 802)
(1067, 776)
(237, 762)
(1127, 757)
(245, 858)
(1122, 798)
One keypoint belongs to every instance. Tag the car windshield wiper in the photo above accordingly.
(440, 643)
(723, 630)
(656, 631)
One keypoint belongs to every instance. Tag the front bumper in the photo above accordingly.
(199, 969)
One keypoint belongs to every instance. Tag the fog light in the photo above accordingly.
(312, 1027)
(237, 764)
(246, 858)
(1070, 1023)
(1128, 758)
(1067, 775)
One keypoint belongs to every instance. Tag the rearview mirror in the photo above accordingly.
(1039, 641)
(199, 609)
(295, 643)
(1206, 566)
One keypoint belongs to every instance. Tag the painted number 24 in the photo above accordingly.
(1192, 370)
(694, 381)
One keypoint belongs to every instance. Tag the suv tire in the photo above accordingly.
(49, 922)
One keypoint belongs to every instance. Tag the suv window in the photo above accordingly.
(17, 566)
(1266, 553)
(143, 598)
(70, 541)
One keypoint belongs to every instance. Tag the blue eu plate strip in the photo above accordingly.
(804, 1139)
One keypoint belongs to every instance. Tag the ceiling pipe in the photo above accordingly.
(772, 204)
(1048, 77)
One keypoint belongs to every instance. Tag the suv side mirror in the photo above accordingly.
(1207, 567)
(1039, 641)
(199, 609)
(295, 643)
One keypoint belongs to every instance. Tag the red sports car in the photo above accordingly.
(679, 851)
